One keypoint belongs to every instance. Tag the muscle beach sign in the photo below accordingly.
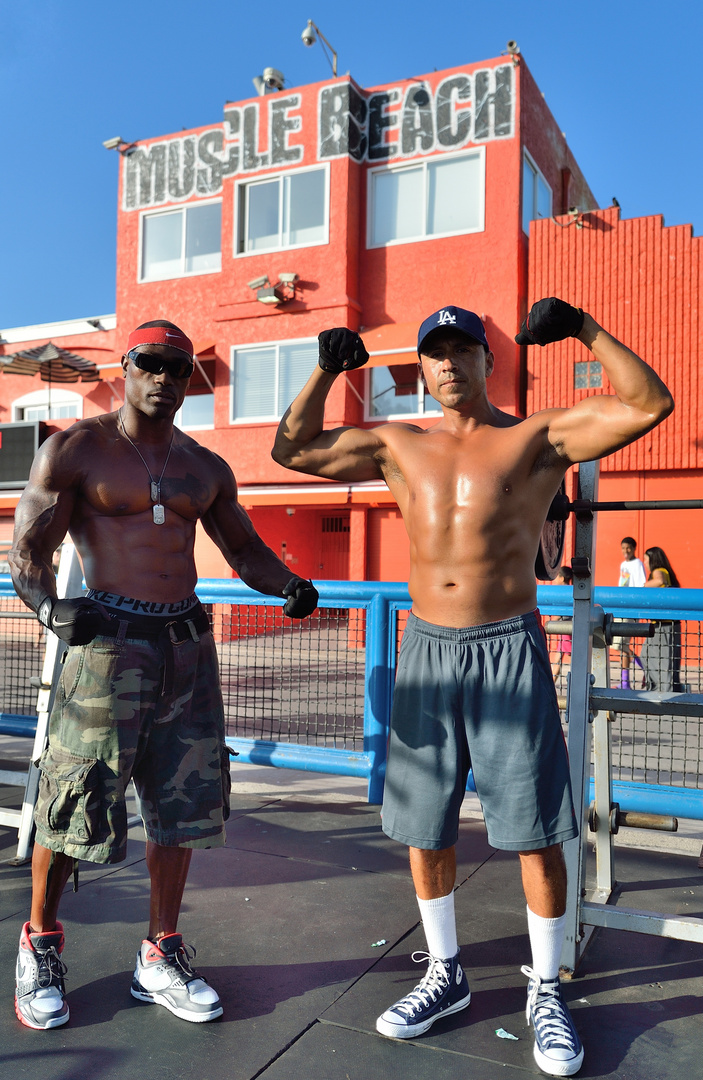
(378, 127)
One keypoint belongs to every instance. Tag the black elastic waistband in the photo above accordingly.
(126, 606)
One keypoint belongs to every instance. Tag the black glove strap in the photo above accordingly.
(44, 611)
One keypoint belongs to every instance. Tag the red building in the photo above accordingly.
(331, 205)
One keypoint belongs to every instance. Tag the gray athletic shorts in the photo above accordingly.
(480, 697)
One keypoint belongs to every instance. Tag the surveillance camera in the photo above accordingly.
(513, 47)
(288, 279)
(273, 78)
(112, 144)
(259, 282)
(308, 34)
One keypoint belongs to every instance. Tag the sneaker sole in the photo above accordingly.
(56, 1021)
(409, 1031)
(558, 1068)
(182, 1014)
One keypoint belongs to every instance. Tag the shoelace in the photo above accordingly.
(428, 989)
(546, 1011)
(50, 968)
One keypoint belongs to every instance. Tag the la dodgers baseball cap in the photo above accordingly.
(453, 318)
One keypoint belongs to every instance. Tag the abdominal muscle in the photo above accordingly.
(132, 556)
(469, 576)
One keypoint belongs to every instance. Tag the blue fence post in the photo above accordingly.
(377, 696)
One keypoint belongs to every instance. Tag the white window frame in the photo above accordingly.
(178, 420)
(422, 394)
(269, 418)
(414, 163)
(240, 187)
(43, 399)
(174, 209)
(539, 175)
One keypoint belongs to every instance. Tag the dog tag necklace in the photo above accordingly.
(158, 510)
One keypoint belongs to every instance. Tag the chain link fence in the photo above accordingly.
(651, 749)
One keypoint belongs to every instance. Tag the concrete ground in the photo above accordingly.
(305, 923)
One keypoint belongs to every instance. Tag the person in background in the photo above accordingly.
(632, 575)
(661, 653)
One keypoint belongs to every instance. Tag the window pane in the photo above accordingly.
(528, 194)
(398, 211)
(198, 410)
(454, 195)
(161, 246)
(580, 375)
(544, 199)
(254, 382)
(203, 233)
(595, 373)
(35, 412)
(263, 226)
(304, 203)
(393, 390)
(295, 365)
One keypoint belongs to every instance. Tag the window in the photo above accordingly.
(397, 391)
(536, 194)
(183, 241)
(587, 373)
(265, 379)
(48, 405)
(439, 197)
(282, 211)
(198, 408)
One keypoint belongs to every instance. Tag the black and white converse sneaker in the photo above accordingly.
(558, 1050)
(444, 990)
(163, 976)
(40, 992)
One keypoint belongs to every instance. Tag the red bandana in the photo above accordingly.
(160, 335)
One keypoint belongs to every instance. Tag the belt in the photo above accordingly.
(168, 632)
(152, 628)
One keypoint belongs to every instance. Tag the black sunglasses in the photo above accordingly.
(156, 365)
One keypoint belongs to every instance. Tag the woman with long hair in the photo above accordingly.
(660, 573)
(661, 654)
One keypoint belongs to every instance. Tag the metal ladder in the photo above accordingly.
(69, 582)
(590, 702)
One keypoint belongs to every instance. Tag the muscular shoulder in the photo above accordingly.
(66, 455)
(536, 429)
(205, 463)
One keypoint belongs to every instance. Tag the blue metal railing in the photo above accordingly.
(382, 601)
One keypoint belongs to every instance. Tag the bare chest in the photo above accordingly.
(489, 476)
(127, 485)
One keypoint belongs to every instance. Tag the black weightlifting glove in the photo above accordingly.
(550, 319)
(341, 350)
(302, 598)
(76, 621)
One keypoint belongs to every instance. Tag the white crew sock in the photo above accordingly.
(546, 940)
(439, 924)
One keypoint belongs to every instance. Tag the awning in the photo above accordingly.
(204, 349)
(393, 343)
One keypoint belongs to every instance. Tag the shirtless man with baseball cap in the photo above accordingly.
(474, 686)
(139, 696)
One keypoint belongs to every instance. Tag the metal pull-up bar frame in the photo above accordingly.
(590, 704)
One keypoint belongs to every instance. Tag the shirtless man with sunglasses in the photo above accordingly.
(139, 696)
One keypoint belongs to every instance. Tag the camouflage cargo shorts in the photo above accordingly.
(112, 722)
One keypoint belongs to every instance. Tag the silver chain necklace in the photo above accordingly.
(158, 511)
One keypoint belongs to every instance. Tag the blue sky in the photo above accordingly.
(622, 79)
